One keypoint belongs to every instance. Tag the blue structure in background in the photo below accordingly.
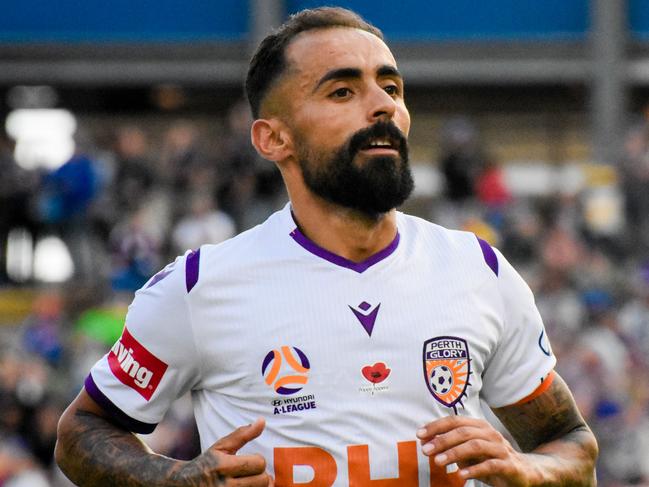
(416, 20)
(639, 18)
(135, 21)
(123, 21)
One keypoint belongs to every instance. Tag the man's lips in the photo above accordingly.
(382, 139)
(381, 146)
(379, 151)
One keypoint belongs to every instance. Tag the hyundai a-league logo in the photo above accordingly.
(447, 367)
(286, 370)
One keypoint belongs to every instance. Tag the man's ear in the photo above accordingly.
(272, 139)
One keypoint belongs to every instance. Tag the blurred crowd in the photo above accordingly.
(127, 206)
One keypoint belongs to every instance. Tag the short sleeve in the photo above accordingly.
(523, 357)
(156, 359)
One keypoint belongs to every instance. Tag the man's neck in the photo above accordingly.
(344, 232)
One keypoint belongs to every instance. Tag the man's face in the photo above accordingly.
(348, 119)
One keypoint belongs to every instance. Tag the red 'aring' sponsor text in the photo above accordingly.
(135, 366)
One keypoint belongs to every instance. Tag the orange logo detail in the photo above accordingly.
(322, 463)
(359, 466)
(295, 377)
(325, 470)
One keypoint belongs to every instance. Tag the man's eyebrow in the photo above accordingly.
(341, 73)
(388, 70)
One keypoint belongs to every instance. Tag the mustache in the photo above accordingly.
(380, 130)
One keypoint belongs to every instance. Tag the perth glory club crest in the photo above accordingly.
(447, 367)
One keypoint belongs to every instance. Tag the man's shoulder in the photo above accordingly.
(459, 246)
(267, 242)
(210, 261)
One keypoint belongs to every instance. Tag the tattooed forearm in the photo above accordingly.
(93, 452)
(548, 417)
(551, 427)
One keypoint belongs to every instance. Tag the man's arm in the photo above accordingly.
(92, 451)
(551, 427)
(558, 447)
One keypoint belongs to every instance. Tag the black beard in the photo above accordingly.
(381, 184)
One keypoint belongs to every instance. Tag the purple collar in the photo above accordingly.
(359, 267)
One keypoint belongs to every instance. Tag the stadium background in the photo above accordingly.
(126, 143)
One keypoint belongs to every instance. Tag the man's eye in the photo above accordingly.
(392, 90)
(341, 93)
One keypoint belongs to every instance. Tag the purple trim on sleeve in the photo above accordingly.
(359, 267)
(118, 416)
(159, 277)
(489, 255)
(192, 268)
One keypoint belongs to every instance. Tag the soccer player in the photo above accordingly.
(340, 343)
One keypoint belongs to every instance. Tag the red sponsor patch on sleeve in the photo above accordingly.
(135, 366)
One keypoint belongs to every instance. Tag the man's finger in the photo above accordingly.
(473, 451)
(487, 470)
(233, 442)
(242, 465)
(444, 425)
(260, 480)
(461, 435)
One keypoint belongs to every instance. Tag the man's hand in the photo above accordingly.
(220, 463)
(92, 451)
(558, 448)
(478, 450)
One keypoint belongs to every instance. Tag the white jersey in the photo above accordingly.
(344, 360)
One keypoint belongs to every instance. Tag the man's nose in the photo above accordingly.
(381, 105)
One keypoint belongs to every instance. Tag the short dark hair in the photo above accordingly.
(269, 60)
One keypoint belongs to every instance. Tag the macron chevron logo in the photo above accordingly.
(366, 315)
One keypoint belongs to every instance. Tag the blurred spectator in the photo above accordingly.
(603, 338)
(30, 413)
(204, 224)
(460, 160)
(522, 232)
(135, 253)
(13, 412)
(251, 188)
(182, 155)
(635, 181)
(67, 191)
(490, 186)
(561, 248)
(134, 175)
(16, 187)
(42, 330)
(17, 466)
(561, 305)
(492, 193)
(40, 431)
(63, 203)
(634, 315)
